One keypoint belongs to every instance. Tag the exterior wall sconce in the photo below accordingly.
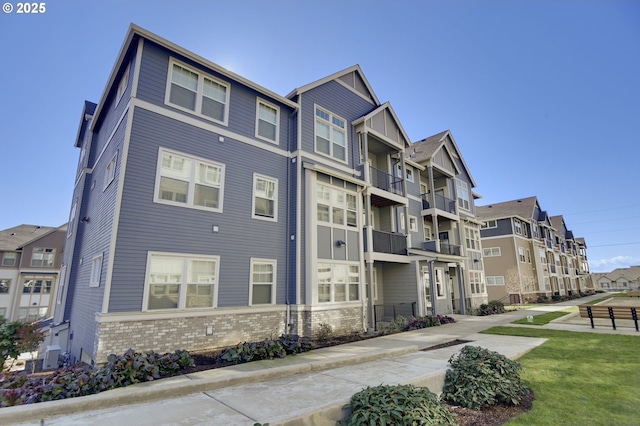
(84, 219)
(340, 243)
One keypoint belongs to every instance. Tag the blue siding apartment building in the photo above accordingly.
(208, 210)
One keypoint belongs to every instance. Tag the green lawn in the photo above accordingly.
(545, 318)
(580, 378)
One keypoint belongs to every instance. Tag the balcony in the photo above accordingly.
(445, 247)
(385, 181)
(440, 202)
(388, 242)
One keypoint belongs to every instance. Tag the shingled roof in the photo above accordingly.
(523, 208)
(14, 238)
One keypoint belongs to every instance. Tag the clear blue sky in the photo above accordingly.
(542, 97)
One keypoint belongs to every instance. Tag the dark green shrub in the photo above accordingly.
(479, 377)
(491, 308)
(445, 319)
(397, 405)
(294, 344)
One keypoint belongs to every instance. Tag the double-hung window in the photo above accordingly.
(183, 180)
(194, 91)
(181, 281)
(110, 172)
(265, 198)
(263, 282)
(267, 120)
(338, 282)
(9, 258)
(330, 135)
(96, 271)
(462, 190)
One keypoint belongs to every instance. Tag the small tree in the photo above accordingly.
(17, 337)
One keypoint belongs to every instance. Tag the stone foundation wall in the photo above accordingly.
(168, 335)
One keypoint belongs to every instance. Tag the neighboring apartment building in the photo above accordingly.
(208, 210)
(620, 279)
(528, 254)
(30, 259)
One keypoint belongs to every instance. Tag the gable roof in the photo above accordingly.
(137, 31)
(351, 77)
(425, 149)
(523, 208)
(629, 274)
(558, 223)
(368, 119)
(15, 238)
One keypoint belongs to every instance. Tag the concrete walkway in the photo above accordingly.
(306, 389)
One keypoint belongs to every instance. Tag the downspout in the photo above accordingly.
(288, 324)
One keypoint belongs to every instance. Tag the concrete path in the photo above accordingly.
(306, 389)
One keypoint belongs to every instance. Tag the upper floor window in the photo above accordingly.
(462, 189)
(518, 226)
(413, 224)
(336, 207)
(267, 120)
(521, 254)
(409, 174)
(330, 135)
(5, 285)
(197, 92)
(181, 282)
(110, 172)
(472, 237)
(265, 198)
(96, 271)
(183, 180)
(9, 258)
(44, 257)
(491, 252)
(490, 224)
(122, 86)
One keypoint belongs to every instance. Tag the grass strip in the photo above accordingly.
(545, 318)
(580, 378)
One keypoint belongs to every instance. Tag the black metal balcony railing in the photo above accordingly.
(441, 203)
(445, 248)
(387, 242)
(383, 180)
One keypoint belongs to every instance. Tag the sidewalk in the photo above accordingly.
(306, 389)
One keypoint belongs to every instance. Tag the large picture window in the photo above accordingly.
(338, 282)
(193, 91)
(181, 282)
(336, 206)
(187, 181)
(330, 135)
(462, 190)
(43, 257)
(263, 282)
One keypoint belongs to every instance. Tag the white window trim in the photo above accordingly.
(110, 172)
(189, 204)
(463, 187)
(332, 291)
(122, 85)
(487, 226)
(270, 105)
(494, 279)
(201, 75)
(413, 223)
(331, 143)
(443, 280)
(491, 252)
(332, 190)
(14, 257)
(53, 252)
(61, 284)
(182, 299)
(273, 262)
(257, 176)
(96, 271)
(409, 174)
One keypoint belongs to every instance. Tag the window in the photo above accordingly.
(475, 282)
(72, 217)
(110, 172)
(521, 254)
(336, 207)
(331, 135)
(37, 285)
(196, 92)
(188, 181)
(96, 271)
(338, 282)
(63, 277)
(543, 256)
(462, 190)
(413, 224)
(31, 314)
(181, 282)
(439, 283)
(265, 192)
(409, 174)
(498, 280)
(263, 282)
(491, 252)
(518, 226)
(43, 257)
(401, 221)
(5, 286)
(267, 119)
(490, 224)
(472, 238)
(427, 231)
(9, 258)
(122, 86)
